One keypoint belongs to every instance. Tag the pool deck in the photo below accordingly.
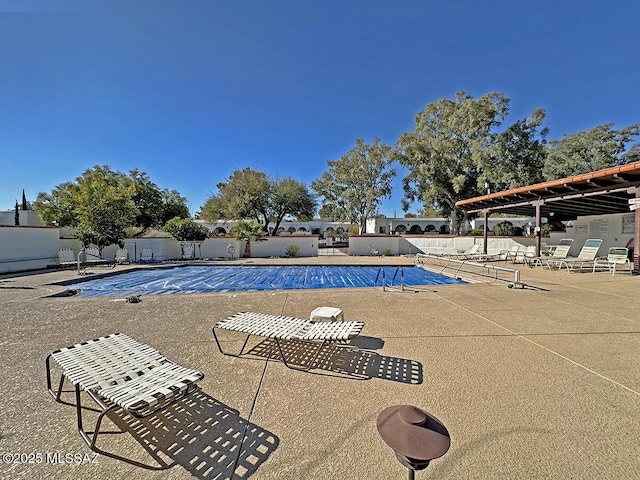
(540, 382)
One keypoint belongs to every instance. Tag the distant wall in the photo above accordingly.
(436, 244)
(27, 248)
(219, 247)
(614, 231)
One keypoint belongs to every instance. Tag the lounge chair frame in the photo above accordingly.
(616, 256)
(559, 253)
(587, 256)
(281, 328)
(119, 372)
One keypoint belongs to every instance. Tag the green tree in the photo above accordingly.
(103, 207)
(102, 203)
(290, 198)
(353, 187)
(518, 154)
(173, 205)
(589, 150)
(186, 230)
(155, 206)
(251, 195)
(632, 155)
(16, 220)
(446, 152)
(98, 205)
(247, 232)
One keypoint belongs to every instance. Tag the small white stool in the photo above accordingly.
(327, 313)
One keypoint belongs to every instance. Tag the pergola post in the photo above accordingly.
(538, 227)
(485, 232)
(636, 240)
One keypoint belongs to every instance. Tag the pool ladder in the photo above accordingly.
(383, 275)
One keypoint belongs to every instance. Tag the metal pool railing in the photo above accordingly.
(383, 276)
(456, 266)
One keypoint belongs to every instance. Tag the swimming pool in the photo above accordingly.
(201, 279)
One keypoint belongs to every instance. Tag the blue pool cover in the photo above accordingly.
(201, 279)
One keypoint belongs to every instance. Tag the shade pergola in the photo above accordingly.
(597, 193)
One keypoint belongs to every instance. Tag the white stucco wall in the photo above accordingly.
(27, 248)
(615, 231)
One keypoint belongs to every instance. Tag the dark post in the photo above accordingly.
(636, 245)
(486, 232)
(538, 227)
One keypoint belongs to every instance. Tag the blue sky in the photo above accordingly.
(191, 90)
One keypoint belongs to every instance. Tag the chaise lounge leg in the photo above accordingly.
(302, 369)
(91, 440)
(215, 337)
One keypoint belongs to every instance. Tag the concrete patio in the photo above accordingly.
(540, 382)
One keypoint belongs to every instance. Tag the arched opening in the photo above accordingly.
(220, 231)
(430, 228)
(415, 229)
(401, 229)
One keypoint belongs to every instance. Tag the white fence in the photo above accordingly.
(427, 244)
(31, 248)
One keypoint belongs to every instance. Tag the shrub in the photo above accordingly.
(292, 251)
(476, 232)
(504, 229)
(386, 252)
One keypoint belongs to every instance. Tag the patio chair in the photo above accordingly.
(122, 256)
(525, 256)
(279, 328)
(616, 256)
(560, 252)
(510, 254)
(188, 252)
(587, 256)
(146, 256)
(66, 257)
(116, 371)
(92, 255)
(474, 250)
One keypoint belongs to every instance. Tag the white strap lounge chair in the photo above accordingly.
(66, 257)
(92, 255)
(279, 327)
(510, 254)
(122, 256)
(617, 256)
(524, 256)
(474, 250)
(188, 252)
(560, 252)
(119, 372)
(146, 256)
(586, 257)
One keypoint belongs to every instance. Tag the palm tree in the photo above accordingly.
(247, 232)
